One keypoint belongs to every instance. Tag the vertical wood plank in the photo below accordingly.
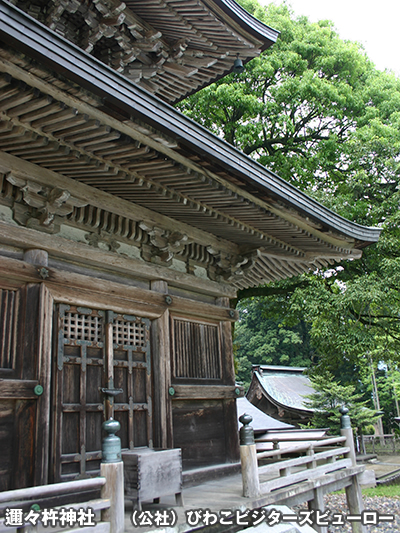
(228, 371)
(23, 470)
(230, 409)
(44, 378)
(355, 504)
(317, 504)
(161, 352)
(231, 431)
(109, 354)
(28, 325)
(9, 302)
(26, 368)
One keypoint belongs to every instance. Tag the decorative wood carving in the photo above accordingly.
(44, 204)
(171, 55)
(164, 244)
(230, 266)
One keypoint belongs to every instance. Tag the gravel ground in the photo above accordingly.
(336, 504)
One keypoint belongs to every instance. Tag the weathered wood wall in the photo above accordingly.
(203, 383)
(175, 370)
(22, 312)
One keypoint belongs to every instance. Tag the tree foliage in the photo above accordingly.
(329, 396)
(314, 109)
(261, 337)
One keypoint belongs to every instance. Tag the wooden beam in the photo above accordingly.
(44, 377)
(59, 247)
(71, 285)
(206, 392)
(29, 171)
(161, 357)
(18, 389)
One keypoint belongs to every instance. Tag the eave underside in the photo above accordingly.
(54, 125)
(170, 48)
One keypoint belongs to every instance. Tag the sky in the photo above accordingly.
(373, 24)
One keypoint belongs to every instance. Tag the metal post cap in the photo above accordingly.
(344, 419)
(111, 448)
(111, 426)
(246, 432)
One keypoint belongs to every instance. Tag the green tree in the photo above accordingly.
(329, 396)
(314, 109)
(294, 106)
(262, 338)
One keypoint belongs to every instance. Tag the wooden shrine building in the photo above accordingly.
(281, 392)
(125, 230)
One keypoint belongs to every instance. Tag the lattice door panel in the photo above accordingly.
(83, 376)
(79, 400)
(132, 373)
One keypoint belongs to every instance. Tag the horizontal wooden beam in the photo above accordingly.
(304, 491)
(70, 287)
(206, 392)
(18, 389)
(58, 247)
(101, 199)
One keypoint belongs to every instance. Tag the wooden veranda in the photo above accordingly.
(126, 230)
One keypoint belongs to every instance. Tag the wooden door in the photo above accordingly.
(102, 369)
(23, 386)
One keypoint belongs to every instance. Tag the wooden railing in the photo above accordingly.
(93, 505)
(302, 468)
(378, 444)
(302, 473)
(76, 496)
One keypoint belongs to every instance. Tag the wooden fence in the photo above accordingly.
(93, 505)
(378, 444)
(302, 473)
(75, 504)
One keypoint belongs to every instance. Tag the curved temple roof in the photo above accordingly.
(169, 47)
(285, 386)
(261, 421)
(78, 119)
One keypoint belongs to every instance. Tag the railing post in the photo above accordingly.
(112, 468)
(248, 458)
(353, 491)
(347, 431)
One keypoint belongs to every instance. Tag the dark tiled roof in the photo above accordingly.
(287, 387)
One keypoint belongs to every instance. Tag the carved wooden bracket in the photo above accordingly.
(102, 240)
(44, 204)
(164, 244)
(230, 266)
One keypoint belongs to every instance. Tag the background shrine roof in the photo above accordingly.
(261, 421)
(73, 120)
(170, 47)
(284, 386)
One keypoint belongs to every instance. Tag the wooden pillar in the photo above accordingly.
(355, 504)
(317, 504)
(161, 359)
(44, 387)
(228, 374)
(248, 459)
(27, 454)
(112, 468)
(353, 491)
(42, 346)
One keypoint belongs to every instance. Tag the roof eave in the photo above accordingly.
(254, 26)
(50, 49)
